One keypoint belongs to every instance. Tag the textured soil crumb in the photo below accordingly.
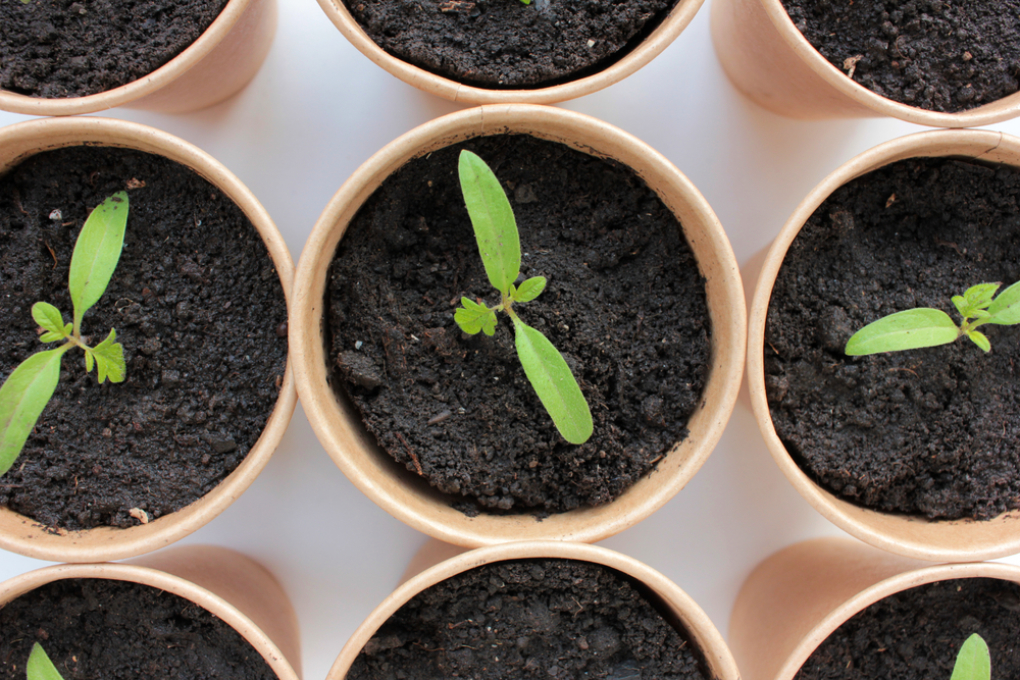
(542, 619)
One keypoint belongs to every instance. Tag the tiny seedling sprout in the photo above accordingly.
(973, 662)
(29, 387)
(926, 327)
(40, 667)
(500, 247)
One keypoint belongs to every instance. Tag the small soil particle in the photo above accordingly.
(62, 48)
(506, 44)
(916, 634)
(539, 619)
(932, 54)
(931, 431)
(117, 630)
(195, 301)
(625, 304)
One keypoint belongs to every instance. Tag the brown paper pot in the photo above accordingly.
(22, 535)
(437, 562)
(770, 61)
(794, 599)
(217, 65)
(440, 86)
(233, 587)
(952, 541)
(407, 496)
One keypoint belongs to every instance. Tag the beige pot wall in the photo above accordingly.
(439, 562)
(405, 495)
(952, 541)
(770, 61)
(657, 41)
(794, 599)
(217, 65)
(25, 536)
(233, 587)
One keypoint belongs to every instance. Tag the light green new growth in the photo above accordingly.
(29, 387)
(500, 247)
(40, 667)
(926, 327)
(973, 661)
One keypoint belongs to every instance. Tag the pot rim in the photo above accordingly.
(407, 497)
(696, 623)
(993, 112)
(674, 23)
(911, 536)
(24, 536)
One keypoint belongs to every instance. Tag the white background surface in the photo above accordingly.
(318, 109)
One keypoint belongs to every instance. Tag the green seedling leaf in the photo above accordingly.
(40, 667)
(530, 289)
(909, 329)
(473, 317)
(980, 340)
(1005, 309)
(90, 359)
(493, 221)
(980, 296)
(49, 317)
(973, 662)
(554, 383)
(23, 397)
(96, 253)
(110, 359)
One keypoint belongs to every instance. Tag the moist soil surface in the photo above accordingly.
(916, 634)
(198, 307)
(73, 48)
(505, 44)
(932, 54)
(625, 305)
(116, 630)
(542, 619)
(931, 431)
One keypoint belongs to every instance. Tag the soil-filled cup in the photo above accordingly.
(400, 488)
(947, 156)
(161, 297)
(242, 605)
(800, 596)
(466, 88)
(769, 60)
(438, 565)
(218, 64)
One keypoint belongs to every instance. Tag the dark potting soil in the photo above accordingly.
(625, 305)
(73, 48)
(916, 634)
(542, 618)
(505, 44)
(116, 630)
(932, 54)
(197, 305)
(931, 431)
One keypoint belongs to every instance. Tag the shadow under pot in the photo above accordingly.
(835, 608)
(535, 609)
(914, 451)
(932, 63)
(641, 301)
(195, 612)
(198, 304)
(487, 52)
(62, 58)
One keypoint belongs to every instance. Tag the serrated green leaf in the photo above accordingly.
(530, 289)
(90, 360)
(23, 397)
(554, 383)
(973, 662)
(40, 667)
(980, 295)
(110, 359)
(50, 336)
(96, 253)
(909, 329)
(980, 340)
(493, 221)
(473, 317)
(1005, 309)
(50, 318)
